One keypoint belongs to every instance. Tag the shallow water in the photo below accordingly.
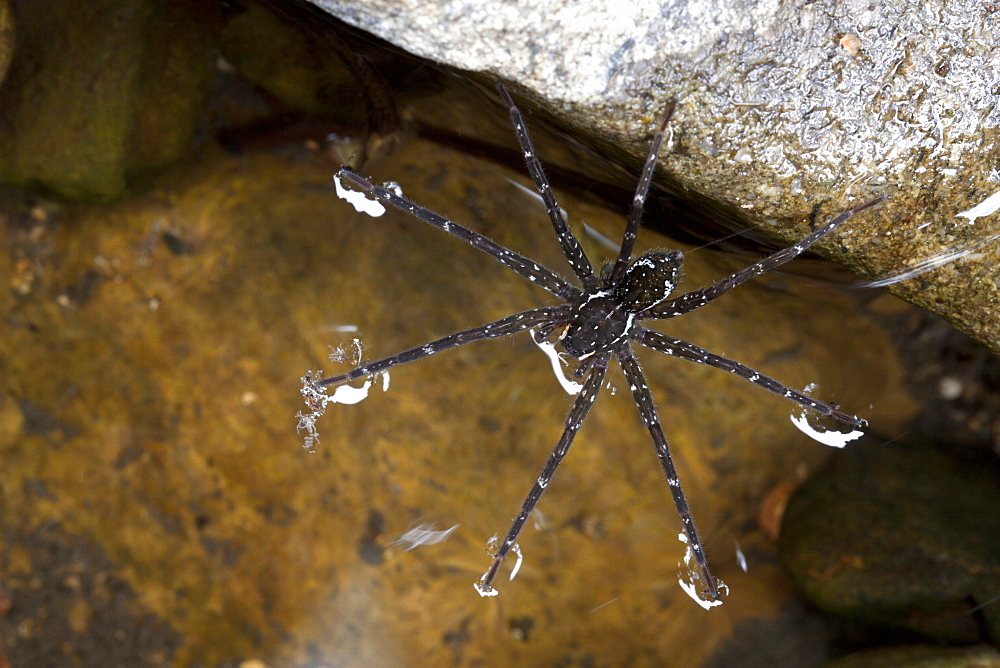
(150, 385)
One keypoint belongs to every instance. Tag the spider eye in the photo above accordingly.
(649, 280)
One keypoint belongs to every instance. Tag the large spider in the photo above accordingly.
(600, 321)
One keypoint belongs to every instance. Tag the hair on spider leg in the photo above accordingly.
(597, 321)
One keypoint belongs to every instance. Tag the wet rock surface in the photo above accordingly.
(901, 534)
(764, 137)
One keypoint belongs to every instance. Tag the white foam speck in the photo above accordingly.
(988, 206)
(484, 591)
(571, 387)
(517, 564)
(834, 439)
(741, 558)
(358, 200)
(345, 394)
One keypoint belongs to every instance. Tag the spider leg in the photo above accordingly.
(570, 246)
(688, 351)
(639, 200)
(697, 298)
(581, 407)
(647, 409)
(539, 317)
(520, 264)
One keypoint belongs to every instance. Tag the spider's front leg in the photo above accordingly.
(516, 262)
(581, 407)
(570, 245)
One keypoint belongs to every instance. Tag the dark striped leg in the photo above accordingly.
(693, 300)
(570, 246)
(688, 351)
(581, 407)
(520, 264)
(639, 200)
(644, 400)
(539, 317)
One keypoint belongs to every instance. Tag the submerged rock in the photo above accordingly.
(906, 535)
(922, 656)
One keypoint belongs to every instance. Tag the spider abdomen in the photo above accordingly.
(596, 325)
(649, 280)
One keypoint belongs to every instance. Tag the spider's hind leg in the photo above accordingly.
(688, 351)
(584, 366)
(581, 407)
(708, 585)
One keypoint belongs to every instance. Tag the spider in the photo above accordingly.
(593, 324)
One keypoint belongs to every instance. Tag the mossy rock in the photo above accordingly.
(102, 94)
(903, 535)
(922, 656)
(7, 32)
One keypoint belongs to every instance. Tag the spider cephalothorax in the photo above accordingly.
(602, 318)
(594, 323)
